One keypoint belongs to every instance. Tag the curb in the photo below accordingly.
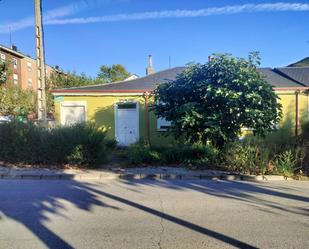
(131, 176)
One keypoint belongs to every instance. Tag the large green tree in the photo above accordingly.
(212, 102)
(116, 72)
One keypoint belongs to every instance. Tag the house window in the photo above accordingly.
(15, 63)
(30, 83)
(15, 78)
(73, 113)
(29, 66)
(2, 57)
(163, 124)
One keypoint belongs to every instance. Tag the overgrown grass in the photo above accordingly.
(280, 152)
(82, 144)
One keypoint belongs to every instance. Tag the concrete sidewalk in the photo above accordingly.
(129, 173)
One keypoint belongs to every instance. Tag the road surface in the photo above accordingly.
(153, 214)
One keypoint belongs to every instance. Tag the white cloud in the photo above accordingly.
(60, 12)
(55, 17)
(226, 10)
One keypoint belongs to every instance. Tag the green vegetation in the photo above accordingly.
(285, 163)
(279, 152)
(114, 73)
(13, 100)
(59, 79)
(4, 72)
(211, 102)
(194, 156)
(81, 144)
(16, 102)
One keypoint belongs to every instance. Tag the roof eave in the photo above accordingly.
(105, 92)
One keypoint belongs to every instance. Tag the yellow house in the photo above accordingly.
(122, 108)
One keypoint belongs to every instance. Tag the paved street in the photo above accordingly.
(153, 214)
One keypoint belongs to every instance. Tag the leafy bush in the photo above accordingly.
(142, 154)
(192, 155)
(81, 144)
(285, 163)
(245, 158)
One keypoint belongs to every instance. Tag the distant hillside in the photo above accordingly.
(302, 63)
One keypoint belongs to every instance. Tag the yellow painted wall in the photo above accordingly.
(100, 109)
(288, 101)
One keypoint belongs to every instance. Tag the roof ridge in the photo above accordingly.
(293, 67)
(119, 82)
(277, 70)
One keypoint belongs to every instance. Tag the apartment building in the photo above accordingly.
(23, 71)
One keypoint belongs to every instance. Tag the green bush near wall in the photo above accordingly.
(81, 144)
(199, 156)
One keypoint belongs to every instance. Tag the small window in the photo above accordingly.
(30, 83)
(15, 79)
(15, 63)
(73, 113)
(163, 124)
(126, 105)
(2, 57)
(29, 66)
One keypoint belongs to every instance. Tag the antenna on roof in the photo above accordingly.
(169, 62)
(10, 33)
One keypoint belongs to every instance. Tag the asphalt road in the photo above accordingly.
(153, 214)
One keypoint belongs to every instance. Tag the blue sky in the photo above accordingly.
(81, 35)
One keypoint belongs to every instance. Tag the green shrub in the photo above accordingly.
(142, 154)
(80, 144)
(199, 156)
(245, 158)
(285, 163)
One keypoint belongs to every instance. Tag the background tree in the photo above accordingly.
(4, 72)
(114, 73)
(15, 101)
(213, 101)
(59, 79)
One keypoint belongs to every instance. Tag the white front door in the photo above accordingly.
(127, 124)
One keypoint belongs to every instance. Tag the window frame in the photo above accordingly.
(15, 79)
(15, 63)
(160, 124)
(72, 104)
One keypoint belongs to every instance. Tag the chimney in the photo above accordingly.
(149, 69)
(14, 47)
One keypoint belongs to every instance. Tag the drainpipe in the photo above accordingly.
(296, 113)
(147, 118)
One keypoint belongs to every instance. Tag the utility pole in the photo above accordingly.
(40, 63)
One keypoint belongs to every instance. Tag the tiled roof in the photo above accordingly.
(149, 82)
(143, 83)
(277, 80)
(299, 74)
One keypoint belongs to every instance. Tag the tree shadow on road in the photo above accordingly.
(30, 202)
(37, 199)
(268, 196)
